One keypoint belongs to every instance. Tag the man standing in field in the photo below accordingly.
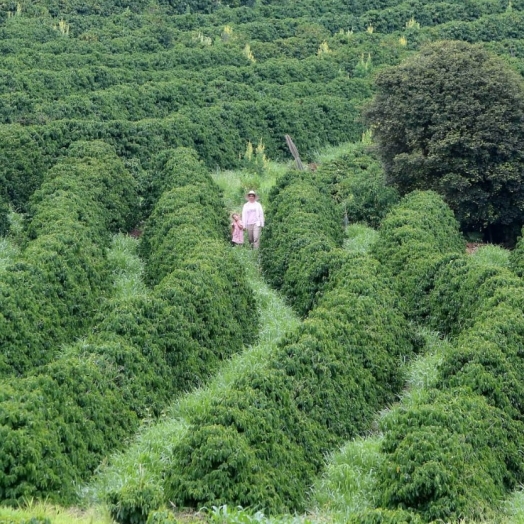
(253, 219)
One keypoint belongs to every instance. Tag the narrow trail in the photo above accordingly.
(141, 464)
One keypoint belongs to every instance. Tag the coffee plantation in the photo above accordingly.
(125, 121)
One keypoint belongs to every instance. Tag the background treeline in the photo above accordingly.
(207, 75)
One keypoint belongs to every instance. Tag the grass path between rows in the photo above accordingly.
(347, 483)
(142, 463)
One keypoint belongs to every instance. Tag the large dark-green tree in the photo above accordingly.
(451, 119)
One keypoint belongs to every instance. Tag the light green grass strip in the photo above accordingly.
(491, 255)
(360, 238)
(40, 512)
(8, 252)
(143, 463)
(127, 267)
(514, 507)
(347, 485)
(331, 153)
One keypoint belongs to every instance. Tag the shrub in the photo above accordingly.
(486, 358)
(183, 218)
(357, 183)
(416, 238)
(262, 443)
(302, 230)
(51, 290)
(446, 457)
(516, 258)
(462, 290)
(177, 168)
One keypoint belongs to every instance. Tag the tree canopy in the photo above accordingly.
(451, 119)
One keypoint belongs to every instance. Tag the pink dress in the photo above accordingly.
(238, 233)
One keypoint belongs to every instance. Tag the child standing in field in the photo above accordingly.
(237, 230)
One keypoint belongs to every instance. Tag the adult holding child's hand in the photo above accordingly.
(253, 219)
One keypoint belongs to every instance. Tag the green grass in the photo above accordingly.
(40, 513)
(228, 515)
(144, 461)
(360, 238)
(333, 152)
(16, 226)
(491, 255)
(514, 506)
(347, 484)
(127, 267)
(8, 252)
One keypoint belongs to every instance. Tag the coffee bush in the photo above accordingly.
(356, 181)
(302, 230)
(58, 280)
(416, 238)
(447, 457)
(262, 442)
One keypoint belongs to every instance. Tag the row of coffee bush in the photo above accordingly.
(416, 237)
(189, 260)
(261, 442)
(302, 240)
(454, 453)
(59, 422)
(264, 440)
(49, 292)
(134, 101)
(291, 87)
(356, 182)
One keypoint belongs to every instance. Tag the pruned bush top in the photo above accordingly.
(416, 237)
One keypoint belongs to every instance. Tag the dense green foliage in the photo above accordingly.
(302, 240)
(416, 237)
(149, 76)
(261, 443)
(451, 119)
(454, 452)
(305, 215)
(356, 182)
(517, 258)
(151, 79)
(61, 420)
(50, 290)
(453, 455)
